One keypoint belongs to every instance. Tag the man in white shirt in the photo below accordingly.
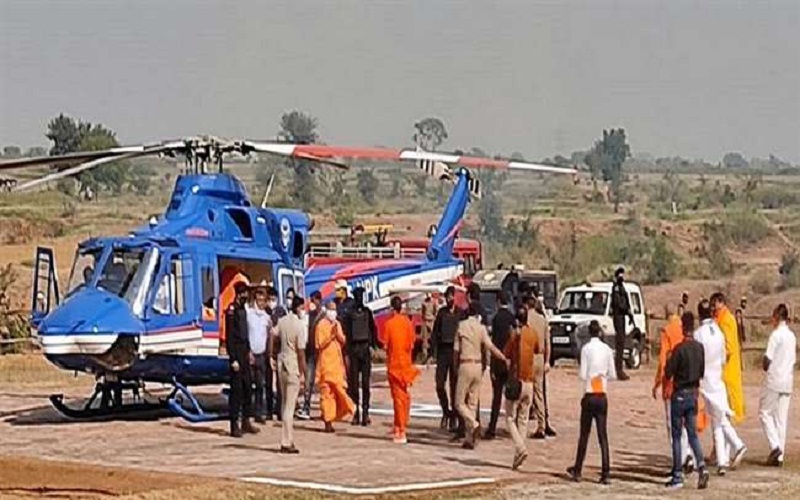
(259, 325)
(714, 391)
(779, 361)
(597, 368)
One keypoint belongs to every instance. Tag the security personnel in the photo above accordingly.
(472, 342)
(238, 347)
(503, 325)
(361, 335)
(443, 337)
(620, 311)
(344, 303)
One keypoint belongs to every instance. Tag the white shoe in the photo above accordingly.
(401, 440)
(737, 458)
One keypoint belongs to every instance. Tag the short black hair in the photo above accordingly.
(620, 270)
(450, 290)
(397, 303)
(594, 328)
(782, 312)
(704, 310)
(522, 315)
(474, 291)
(687, 321)
(290, 289)
(717, 297)
(502, 297)
(297, 303)
(240, 287)
(474, 308)
(316, 295)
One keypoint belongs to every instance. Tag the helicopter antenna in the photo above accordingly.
(268, 191)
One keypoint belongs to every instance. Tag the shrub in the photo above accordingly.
(761, 284)
(790, 270)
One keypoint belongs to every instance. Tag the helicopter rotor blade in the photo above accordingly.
(70, 158)
(73, 171)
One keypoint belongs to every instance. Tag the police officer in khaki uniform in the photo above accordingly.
(538, 322)
(471, 343)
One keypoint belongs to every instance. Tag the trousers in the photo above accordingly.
(683, 416)
(359, 373)
(262, 380)
(686, 449)
(290, 388)
(594, 407)
(774, 412)
(517, 414)
(619, 343)
(240, 397)
(467, 396)
(725, 437)
(446, 369)
(308, 391)
(539, 407)
(499, 377)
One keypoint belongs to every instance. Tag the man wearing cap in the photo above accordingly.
(237, 344)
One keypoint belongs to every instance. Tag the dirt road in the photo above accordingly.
(166, 456)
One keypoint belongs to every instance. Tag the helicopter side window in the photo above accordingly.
(209, 295)
(120, 269)
(170, 297)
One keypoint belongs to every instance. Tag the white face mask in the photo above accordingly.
(301, 314)
(331, 314)
(272, 304)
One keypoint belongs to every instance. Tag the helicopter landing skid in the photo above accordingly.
(107, 401)
(194, 414)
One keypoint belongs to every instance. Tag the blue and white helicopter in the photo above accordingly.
(147, 307)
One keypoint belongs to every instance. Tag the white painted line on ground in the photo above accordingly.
(368, 490)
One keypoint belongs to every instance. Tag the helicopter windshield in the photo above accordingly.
(127, 273)
(83, 268)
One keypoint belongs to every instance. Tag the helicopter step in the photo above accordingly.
(107, 401)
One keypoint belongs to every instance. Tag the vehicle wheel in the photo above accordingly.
(634, 359)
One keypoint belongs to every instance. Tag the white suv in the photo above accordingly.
(579, 305)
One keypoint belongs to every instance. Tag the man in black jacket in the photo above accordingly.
(620, 311)
(502, 325)
(443, 336)
(686, 366)
(361, 336)
(238, 346)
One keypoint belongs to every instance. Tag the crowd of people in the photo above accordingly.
(330, 347)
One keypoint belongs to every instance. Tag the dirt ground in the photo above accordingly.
(45, 455)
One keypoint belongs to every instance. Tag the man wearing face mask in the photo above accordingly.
(334, 402)
(362, 335)
(620, 312)
(237, 344)
(442, 338)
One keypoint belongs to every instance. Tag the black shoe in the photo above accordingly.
(605, 480)
(774, 455)
(248, 428)
(444, 423)
(365, 421)
(458, 436)
(537, 435)
(289, 450)
(235, 430)
(623, 376)
(468, 446)
(550, 432)
(356, 419)
(702, 481)
(574, 475)
(489, 435)
(260, 420)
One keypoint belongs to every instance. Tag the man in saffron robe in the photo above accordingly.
(335, 404)
(732, 374)
(400, 339)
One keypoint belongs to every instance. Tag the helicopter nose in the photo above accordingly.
(89, 322)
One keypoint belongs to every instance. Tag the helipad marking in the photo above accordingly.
(368, 490)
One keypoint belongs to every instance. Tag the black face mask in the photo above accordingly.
(620, 279)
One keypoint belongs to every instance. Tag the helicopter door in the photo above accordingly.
(45, 295)
(175, 322)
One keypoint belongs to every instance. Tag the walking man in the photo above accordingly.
(503, 324)
(779, 360)
(685, 369)
(237, 343)
(259, 326)
(596, 369)
(620, 312)
(472, 340)
(400, 340)
(442, 341)
(522, 349)
(363, 336)
(291, 365)
(315, 313)
(732, 373)
(538, 322)
(714, 391)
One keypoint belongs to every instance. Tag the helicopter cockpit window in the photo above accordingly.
(83, 268)
(120, 270)
(170, 297)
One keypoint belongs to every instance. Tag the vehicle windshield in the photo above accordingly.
(83, 268)
(584, 302)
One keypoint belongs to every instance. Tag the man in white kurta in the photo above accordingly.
(713, 390)
(779, 361)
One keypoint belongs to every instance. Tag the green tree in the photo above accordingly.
(301, 128)
(12, 152)
(367, 185)
(36, 151)
(606, 159)
(429, 133)
(734, 161)
(66, 134)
